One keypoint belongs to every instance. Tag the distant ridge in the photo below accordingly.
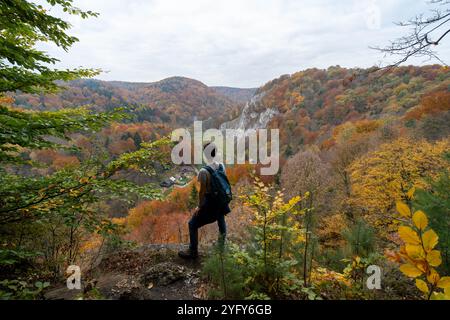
(239, 95)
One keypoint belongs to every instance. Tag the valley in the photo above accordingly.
(352, 204)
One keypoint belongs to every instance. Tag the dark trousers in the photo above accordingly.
(198, 221)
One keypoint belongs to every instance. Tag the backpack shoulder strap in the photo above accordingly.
(209, 169)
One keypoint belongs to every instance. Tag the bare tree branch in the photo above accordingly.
(427, 32)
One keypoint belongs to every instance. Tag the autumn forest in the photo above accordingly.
(359, 210)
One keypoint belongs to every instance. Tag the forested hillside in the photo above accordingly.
(363, 181)
(236, 94)
(313, 102)
(175, 101)
(355, 144)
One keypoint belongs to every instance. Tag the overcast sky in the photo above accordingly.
(239, 43)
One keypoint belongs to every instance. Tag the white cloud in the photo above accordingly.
(230, 42)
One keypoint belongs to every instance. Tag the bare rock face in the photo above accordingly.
(254, 116)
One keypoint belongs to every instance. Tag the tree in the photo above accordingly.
(435, 201)
(427, 32)
(435, 127)
(433, 103)
(360, 238)
(349, 147)
(137, 140)
(23, 24)
(382, 177)
(193, 198)
(276, 231)
(220, 266)
(24, 68)
(29, 129)
(306, 173)
(48, 215)
(419, 254)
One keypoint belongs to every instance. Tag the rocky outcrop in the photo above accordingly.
(254, 116)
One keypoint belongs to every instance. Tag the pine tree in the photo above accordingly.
(435, 201)
(193, 198)
(360, 238)
(137, 140)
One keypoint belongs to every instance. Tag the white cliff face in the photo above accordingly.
(251, 117)
(245, 128)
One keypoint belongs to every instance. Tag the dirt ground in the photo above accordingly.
(151, 272)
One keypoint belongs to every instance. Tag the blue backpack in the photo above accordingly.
(220, 186)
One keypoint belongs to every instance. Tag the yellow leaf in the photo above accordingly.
(434, 258)
(411, 192)
(408, 235)
(438, 296)
(415, 252)
(420, 220)
(422, 265)
(444, 283)
(410, 271)
(430, 240)
(422, 286)
(433, 277)
(403, 209)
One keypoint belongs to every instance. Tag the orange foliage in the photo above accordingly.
(431, 104)
(238, 172)
(330, 230)
(148, 208)
(165, 221)
(121, 146)
(54, 159)
(63, 161)
(146, 130)
(366, 126)
(149, 216)
(162, 228)
(179, 197)
(327, 144)
(6, 100)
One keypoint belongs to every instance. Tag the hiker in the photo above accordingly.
(214, 197)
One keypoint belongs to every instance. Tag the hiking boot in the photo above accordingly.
(188, 254)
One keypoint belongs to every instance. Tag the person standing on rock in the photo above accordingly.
(214, 198)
